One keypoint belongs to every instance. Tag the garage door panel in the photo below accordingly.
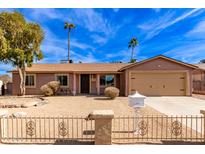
(158, 84)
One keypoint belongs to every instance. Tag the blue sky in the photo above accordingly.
(102, 35)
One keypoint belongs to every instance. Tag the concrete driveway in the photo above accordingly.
(176, 105)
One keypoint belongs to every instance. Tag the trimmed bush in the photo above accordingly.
(50, 88)
(111, 92)
(46, 90)
(54, 85)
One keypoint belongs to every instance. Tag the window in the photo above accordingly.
(107, 80)
(63, 79)
(30, 80)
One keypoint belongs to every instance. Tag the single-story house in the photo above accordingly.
(157, 76)
(199, 79)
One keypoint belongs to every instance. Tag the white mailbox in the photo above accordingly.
(136, 100)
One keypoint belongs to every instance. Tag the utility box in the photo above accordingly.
(136, 100)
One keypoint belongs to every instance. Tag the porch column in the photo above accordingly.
(74, 84)
(98, 84)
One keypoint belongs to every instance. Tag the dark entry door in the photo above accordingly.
(85, 83)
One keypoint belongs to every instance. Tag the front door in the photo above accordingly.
(85, 83)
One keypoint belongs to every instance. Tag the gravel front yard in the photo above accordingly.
(72, 106)
(76, 106)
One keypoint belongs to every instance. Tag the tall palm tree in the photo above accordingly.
(69, 26)
(132, 44)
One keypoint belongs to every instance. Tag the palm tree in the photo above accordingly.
(69, 26)
(132, 44)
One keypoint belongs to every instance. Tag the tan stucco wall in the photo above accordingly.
(41, 79)
(157, 65)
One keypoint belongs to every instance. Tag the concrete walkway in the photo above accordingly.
(176, 105)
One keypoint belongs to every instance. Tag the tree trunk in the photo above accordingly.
(69, 46)
(22, 75)
(132, 54)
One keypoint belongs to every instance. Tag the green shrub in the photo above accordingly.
(46, 90)
(54, 85)
(111, 92)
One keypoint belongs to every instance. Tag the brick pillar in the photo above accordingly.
(203, 112)
(103, 126)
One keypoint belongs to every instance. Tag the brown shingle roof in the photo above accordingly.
(77, 67)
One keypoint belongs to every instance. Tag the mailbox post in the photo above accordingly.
(137, 102)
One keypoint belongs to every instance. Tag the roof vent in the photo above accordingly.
(66, 61)
(63, 61)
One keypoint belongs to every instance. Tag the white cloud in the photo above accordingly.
(56, 53)
(52, 39)
(123, 55)
(191, 52)
(99, 39)
(155, 26)
(43, 14)
(198, 31)
(75, 43)
(101, 29)
(88, 58)
(92, 20)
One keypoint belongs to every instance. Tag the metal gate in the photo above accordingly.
(53, 130)
(157, 129)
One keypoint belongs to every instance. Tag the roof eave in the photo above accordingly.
(160, 56)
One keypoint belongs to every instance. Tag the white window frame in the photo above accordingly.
(68, 79)
(105, 82)
(33, 86)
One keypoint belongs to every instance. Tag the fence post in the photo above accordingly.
(203, 112)
(103, 126)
